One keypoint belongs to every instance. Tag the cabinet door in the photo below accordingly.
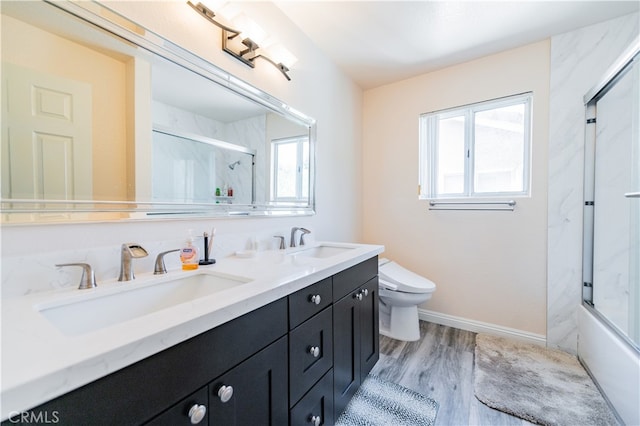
(369, 327)
(254, 392)
(346, 351)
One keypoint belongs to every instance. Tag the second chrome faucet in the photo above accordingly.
(304, 231)
(292, 242)
(128, 252)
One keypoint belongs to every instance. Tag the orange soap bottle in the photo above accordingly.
(189, 255)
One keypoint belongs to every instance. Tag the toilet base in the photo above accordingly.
(400, 323)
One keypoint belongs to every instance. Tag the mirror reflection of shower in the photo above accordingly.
(233, 165)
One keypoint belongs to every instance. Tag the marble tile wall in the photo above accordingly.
(251, 132)
(578, 60)
(191, 172)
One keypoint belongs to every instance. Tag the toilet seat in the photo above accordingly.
(395, 277)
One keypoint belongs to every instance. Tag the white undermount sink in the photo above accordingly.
(321, 251)
(86, 312)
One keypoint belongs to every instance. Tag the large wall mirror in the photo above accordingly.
(103, 119)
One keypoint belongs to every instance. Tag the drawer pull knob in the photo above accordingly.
(358, 295)
(315, 420)
(225, 393)
(365, 292)
(315, 351)
(197, 413)
(316, 299)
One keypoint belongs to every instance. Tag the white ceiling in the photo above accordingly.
(379, 42)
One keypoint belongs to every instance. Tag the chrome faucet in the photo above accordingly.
(304, 231)
(128, 252)
(292, 243)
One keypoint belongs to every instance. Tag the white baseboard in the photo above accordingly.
(480, 327)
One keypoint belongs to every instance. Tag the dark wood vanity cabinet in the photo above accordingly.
(295, 361)
(355, 330)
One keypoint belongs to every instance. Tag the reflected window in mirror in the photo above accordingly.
(290, 169)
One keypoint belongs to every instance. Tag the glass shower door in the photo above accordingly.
(616, 206)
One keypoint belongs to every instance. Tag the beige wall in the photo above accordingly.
(488, 266)
(106, 75)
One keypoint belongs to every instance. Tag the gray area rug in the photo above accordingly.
(382, 403)
(543, 386)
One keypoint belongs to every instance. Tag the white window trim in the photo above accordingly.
(428, 150)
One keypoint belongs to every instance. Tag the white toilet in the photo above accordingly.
(401, 291)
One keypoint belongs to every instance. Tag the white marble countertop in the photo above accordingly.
(41, 362)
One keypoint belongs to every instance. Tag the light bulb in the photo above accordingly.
(249, 28)
(280, 55)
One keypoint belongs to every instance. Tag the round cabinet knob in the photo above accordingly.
(225, 393)
(197, 413)
(358, 296)
(315, 351)
(316, 299)
(365, 292)
(315, 420)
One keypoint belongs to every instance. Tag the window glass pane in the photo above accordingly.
(287, 170)
(450, 159)
(499, 150)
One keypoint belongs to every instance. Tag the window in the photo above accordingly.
(479, 150)
(290, 169)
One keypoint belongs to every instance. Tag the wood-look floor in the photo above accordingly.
(440, 366)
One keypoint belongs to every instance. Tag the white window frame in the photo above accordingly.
(428, 155)
(275, 144)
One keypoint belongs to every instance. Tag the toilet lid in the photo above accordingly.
(404, 279)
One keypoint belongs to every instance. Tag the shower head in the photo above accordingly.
(234, 164)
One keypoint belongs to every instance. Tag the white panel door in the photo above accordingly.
(46, 138)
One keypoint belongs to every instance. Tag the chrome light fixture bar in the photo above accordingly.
(243, 49)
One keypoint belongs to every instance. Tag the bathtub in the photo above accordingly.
(613, 364)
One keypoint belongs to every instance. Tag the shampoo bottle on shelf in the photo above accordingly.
(189, 255)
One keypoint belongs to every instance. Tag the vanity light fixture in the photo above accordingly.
(249, 44)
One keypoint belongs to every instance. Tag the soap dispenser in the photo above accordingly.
(189, 254)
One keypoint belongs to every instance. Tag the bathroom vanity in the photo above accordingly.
(297, 358)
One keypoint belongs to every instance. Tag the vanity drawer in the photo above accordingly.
(310, 353)
(190, 411)
(309, 301)
(348, 280)
(316, 405)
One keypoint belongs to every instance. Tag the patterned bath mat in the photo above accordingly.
(382, 403)
(543, 386)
